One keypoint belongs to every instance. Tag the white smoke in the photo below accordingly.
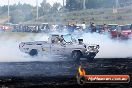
(9, 50)
(9, 46)
(109, 48)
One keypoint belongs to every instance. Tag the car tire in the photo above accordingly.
(91, 56)
(76, 55)
(33, 52)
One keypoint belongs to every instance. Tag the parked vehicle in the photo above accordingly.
(125, 30)
(113, 29)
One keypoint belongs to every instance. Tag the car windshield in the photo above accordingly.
(127, 27)
(112, 27)
(67, 38)
(70, 38)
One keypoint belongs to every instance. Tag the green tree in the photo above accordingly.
(55, 8)
(17, 16)
(90, 4)
(45, 7)
(71, 5)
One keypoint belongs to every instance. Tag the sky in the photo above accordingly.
(32, 2)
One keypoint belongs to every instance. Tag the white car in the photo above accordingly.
(61, 45)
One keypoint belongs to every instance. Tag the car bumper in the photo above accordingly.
(87, 53)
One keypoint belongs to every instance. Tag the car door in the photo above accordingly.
(68, 49)
(57, 49)
(45, 48)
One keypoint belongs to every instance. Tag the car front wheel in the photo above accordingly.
(76, 55)
(91, 56)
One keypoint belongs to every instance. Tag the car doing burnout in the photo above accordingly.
(61, 45)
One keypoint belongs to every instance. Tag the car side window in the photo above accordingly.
(55, 40)
(131, 26)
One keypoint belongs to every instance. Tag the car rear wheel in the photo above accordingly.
(76, 55)
(33, 52)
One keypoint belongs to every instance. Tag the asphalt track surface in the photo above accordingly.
(61, 73)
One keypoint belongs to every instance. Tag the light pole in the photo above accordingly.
(63, 8)
(63, 3)
(117, 4)
(37, 9)
(84, 5)
(116, 9)
(8, 12)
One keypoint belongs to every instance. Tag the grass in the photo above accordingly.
(99, 16)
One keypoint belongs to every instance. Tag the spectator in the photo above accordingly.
(93, 27)
(105, 28)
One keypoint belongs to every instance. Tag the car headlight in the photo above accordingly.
(93, 47)
(97, 47)
(90, 47)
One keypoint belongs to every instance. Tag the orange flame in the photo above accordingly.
(81, 71)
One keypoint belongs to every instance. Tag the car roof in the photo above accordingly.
(56, 33)
(112, 24)
(44, 23)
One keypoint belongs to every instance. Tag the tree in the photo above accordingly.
(45, 7)
(21, 13)
(55, 8)
(71, 5)
(92, 4)
(17, 16)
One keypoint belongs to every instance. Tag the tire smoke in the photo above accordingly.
(109, 48)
